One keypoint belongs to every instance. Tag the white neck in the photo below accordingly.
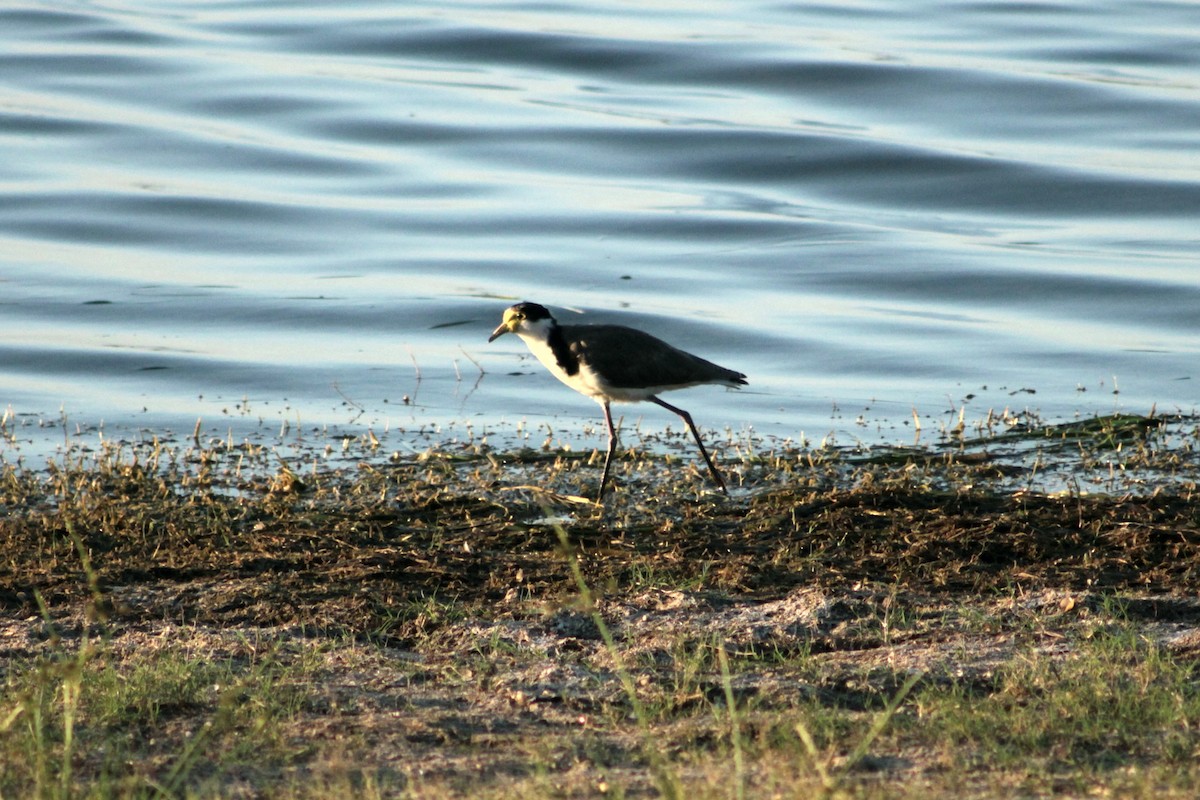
(536, 331)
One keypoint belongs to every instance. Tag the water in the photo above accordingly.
(269, 215)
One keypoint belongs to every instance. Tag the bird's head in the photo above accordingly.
(527, 319)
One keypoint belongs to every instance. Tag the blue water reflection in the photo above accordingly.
(321, 210)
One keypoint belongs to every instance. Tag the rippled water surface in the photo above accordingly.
(257, 213)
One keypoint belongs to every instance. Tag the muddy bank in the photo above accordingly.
(423, 616)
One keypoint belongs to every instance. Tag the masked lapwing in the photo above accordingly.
(615, 364)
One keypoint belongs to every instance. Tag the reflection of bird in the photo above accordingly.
(612, 363)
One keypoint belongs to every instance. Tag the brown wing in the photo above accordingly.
(628, 357)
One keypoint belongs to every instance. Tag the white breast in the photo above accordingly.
(584, 381)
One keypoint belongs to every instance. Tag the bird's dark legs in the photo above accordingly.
(695, 434)
(612, 448)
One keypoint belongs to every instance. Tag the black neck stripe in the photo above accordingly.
(568, 362)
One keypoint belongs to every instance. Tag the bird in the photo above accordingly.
(615, 364)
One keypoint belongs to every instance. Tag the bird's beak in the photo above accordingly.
(501, 329)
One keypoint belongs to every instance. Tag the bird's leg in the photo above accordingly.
(612, 448)
(696, 435)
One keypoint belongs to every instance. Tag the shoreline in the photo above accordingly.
(220, 621)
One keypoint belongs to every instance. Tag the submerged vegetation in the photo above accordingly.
(1008, 612)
